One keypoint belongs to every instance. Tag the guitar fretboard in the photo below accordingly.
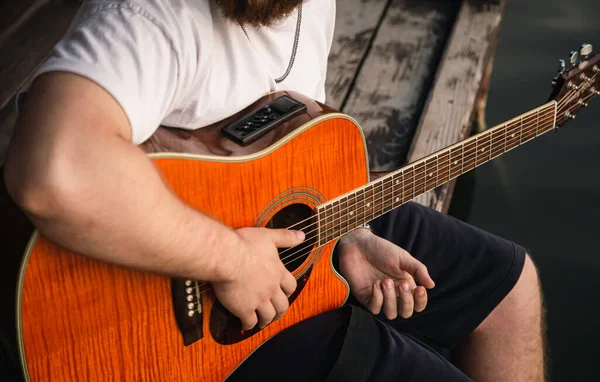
(376, 198)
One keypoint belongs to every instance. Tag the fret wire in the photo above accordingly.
(462, 169)
(327, 221)
(385, 195)
(373, 202)
(537, 123)
(367, 197)
(344, 208)
(476, 149)
(349, 204)
(332, 221)
(333, 218)
(402, 180)
(399, 200)
(394, 191)
(339, 219)
(390, 195)
(383, 200)
(505, 135)
(360, 206)
(490, 148)
(413, 187)
(422, 181)
(375, 199)
(352, 212)
(381, 193)
(437, 169)
(320, 227)
(521, 131)
(357, 208)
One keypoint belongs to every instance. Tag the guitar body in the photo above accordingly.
(78, 319)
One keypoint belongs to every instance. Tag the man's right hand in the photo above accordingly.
(258, 291)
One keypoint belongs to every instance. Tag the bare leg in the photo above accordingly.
(509, 344)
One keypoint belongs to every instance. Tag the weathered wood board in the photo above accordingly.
(29, 45)
(450, 108)
(394, 81)
(356, 24)
(31, 30)
(13, 13)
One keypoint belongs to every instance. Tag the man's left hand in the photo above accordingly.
(383, 276)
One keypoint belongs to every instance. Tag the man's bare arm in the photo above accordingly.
(73, 170)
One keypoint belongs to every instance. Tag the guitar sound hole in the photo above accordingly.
(225, 328)
(297, 217)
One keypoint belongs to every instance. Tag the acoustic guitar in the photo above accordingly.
(284, 162)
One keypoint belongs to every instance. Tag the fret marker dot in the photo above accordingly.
(512, 136)
(351, 212)
(481, 150)
(430, 174)
(397, 199)
(397, 182)
(368, 204)
(455, 162)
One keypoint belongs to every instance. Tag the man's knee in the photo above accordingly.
(522, 303)
(528, 285)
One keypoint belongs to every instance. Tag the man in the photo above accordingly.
(126, 67)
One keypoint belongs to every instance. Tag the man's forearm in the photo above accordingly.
(86, 187)
(115, 208)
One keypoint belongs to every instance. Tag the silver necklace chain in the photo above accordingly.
(294, 49)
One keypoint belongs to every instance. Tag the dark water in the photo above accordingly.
(546, 194)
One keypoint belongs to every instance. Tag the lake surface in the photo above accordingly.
(545, 195)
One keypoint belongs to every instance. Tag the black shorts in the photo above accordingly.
(473, 271)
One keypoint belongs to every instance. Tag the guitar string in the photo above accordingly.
(526, 129)
(405, 194)
(566, 103)
(559, 109)
(422, 181)
(541, 111)
(506, 130)
(576, 91)
(305, 220)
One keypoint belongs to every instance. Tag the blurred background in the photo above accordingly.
(546, 194)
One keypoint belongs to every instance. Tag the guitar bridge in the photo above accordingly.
(187, 305)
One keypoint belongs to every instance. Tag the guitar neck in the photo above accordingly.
(353, 209)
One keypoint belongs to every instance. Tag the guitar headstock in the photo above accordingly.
(577, 83)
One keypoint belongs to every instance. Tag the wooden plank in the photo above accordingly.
(355, 25)
(30, 44)
(392, 86)
(14, 12)
(447, 116)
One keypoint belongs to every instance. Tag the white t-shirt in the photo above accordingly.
(179, 63)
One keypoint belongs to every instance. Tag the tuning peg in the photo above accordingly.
(562, 66)
(582, 103)
(585, 51)
(594, 91)
(569, 115)
(573, 59)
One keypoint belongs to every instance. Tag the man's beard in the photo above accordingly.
(256, 13)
